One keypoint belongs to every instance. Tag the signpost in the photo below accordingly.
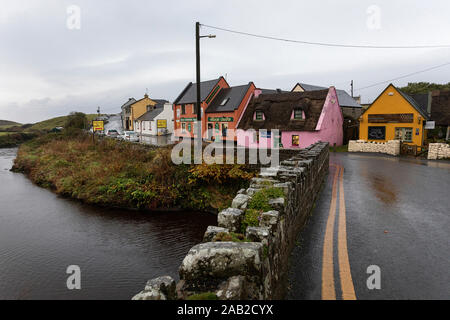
(97, 125)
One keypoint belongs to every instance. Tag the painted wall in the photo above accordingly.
(328, 129)
(190, 114)
(236, 115)
(139, 108)
(392, 102)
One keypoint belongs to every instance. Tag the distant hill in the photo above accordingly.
(6, 123)
(56, 122)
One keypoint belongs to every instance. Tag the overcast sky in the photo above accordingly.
(123, 47)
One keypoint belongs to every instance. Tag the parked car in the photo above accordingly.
(112, 133)
(130, 136)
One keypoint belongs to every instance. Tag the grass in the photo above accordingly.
(121, 174)
(203, 296)
(56, 122)
(4, 124)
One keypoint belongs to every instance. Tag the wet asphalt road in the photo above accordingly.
(397, 218)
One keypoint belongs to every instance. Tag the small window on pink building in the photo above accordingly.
(259, 115)
(298, 114)
(295, 140)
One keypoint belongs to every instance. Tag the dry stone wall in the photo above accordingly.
(391, 147)
(255, 267)
(438, 151)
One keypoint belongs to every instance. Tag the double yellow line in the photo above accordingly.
(328, 282)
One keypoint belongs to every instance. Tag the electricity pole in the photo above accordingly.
(198, 108)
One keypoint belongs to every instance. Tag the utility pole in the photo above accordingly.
(198, 108)
(352, 87)
(197, 61)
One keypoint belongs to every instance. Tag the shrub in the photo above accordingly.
(260, 200)
(251, 219)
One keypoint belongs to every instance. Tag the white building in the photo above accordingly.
(156, 122)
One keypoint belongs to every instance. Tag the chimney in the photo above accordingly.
(146, 95)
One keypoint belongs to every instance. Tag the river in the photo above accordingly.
(41, 234)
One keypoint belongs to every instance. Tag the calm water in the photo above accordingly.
(118, 251)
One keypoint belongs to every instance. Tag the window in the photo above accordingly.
(183, 109)
(224, 102)
(404, 134)
(149, 108)
(376, 133)
(189, 127)
(149, 125)
(295, 140)
(259, 115)
(183, 127)
(298, 114)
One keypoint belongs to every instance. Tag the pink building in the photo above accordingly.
(292, 120)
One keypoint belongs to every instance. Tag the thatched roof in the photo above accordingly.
(278, 109)
(440, 108)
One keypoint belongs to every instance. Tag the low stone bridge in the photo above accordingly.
(254, 266)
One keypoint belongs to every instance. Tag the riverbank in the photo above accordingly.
(114, 173)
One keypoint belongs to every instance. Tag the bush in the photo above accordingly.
(251, 219)
(260, 200)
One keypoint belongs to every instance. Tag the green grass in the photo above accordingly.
(56, 122)
(6, 124)
(203, 296)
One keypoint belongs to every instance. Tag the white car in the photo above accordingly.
(130, 136)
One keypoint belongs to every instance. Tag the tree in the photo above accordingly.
(424, 87)
(76, 120)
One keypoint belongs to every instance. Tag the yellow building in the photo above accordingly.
(394, 115)
(134, 109)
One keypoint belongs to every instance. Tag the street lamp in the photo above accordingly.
(198, 106)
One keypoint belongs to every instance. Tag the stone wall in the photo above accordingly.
(253, 267)
(391, 147)
(438, 151)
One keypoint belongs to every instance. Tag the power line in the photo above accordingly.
(327, 44)
(404, 76)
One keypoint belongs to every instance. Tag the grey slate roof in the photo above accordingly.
(422, 100)
(415, 104)
(129, 102)
(272, 91)
(189, 94)
(151, 115)
(345, 100)
(160, 101)
(234, 96)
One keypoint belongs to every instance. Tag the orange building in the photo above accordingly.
(221, 107)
